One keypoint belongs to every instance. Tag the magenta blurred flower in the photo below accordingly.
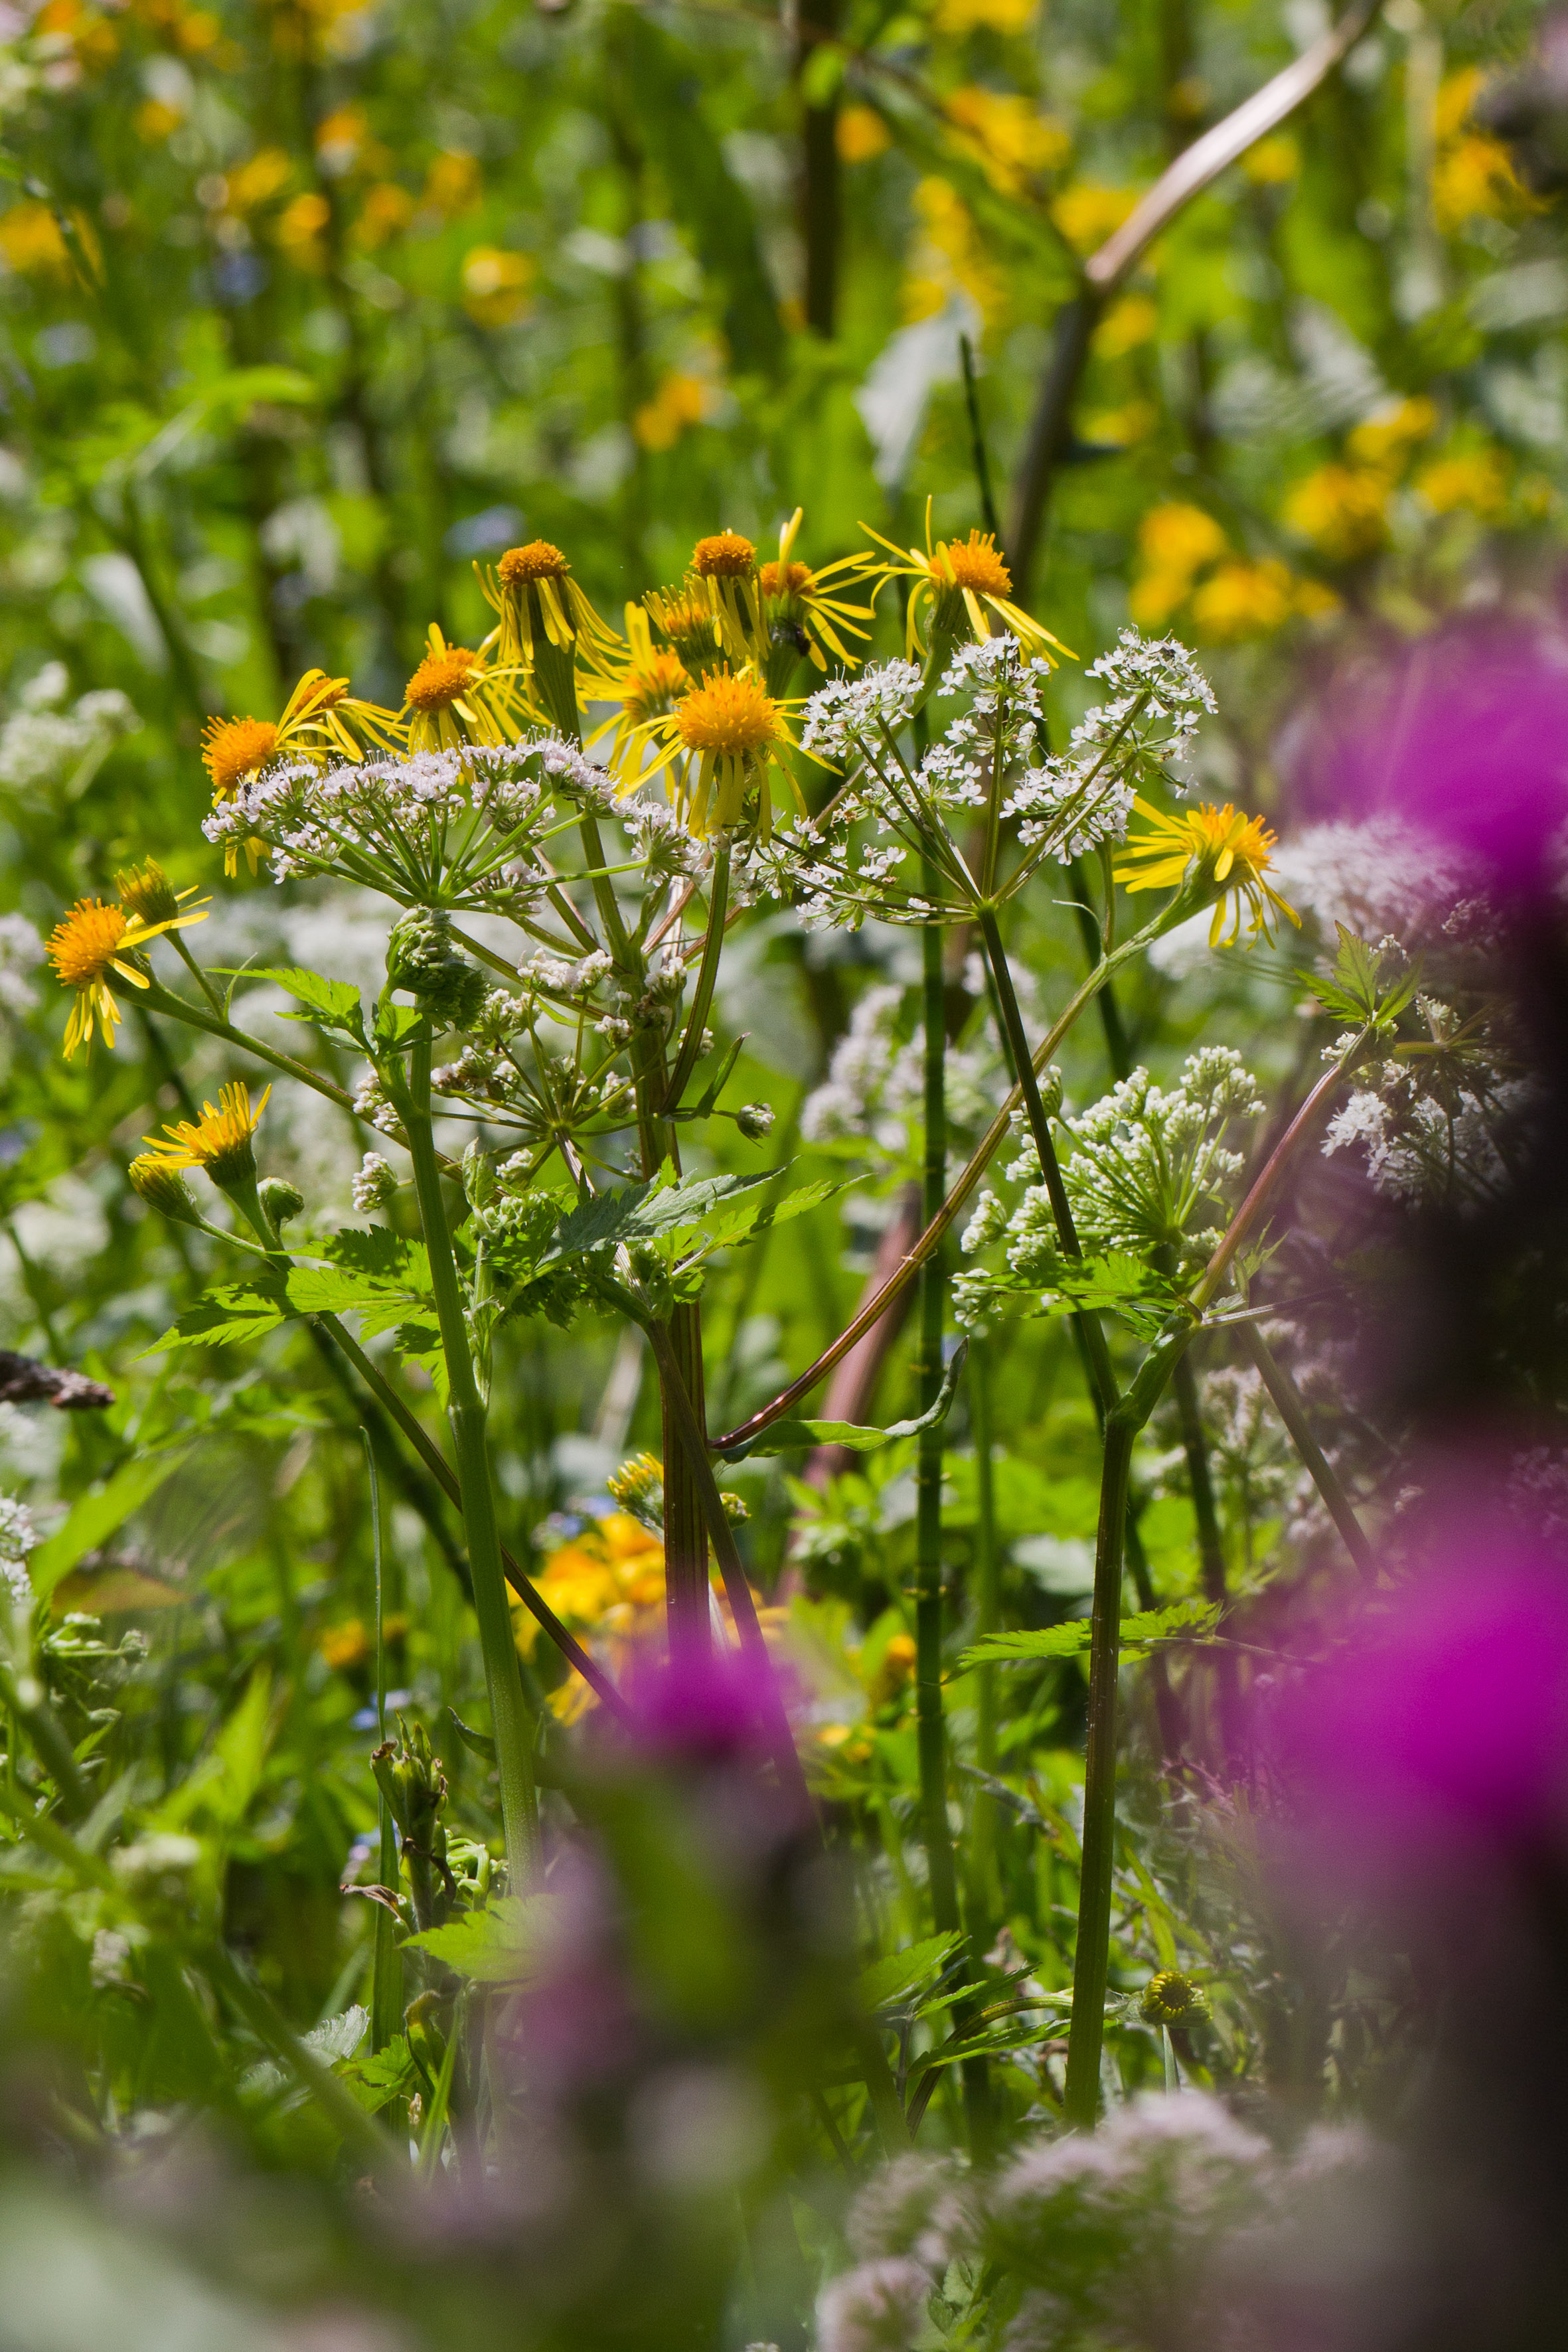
(1436, 1735)
(704, 1706)
(1467, 737)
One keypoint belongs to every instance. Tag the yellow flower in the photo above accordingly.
(453, 185)
(314, 725)
(1013, 139)
(724, 556)
(1273, 160)
(1243, 600)
(32, 243)
(219, 1141)
(646, 692)
(1125, 325)
(345, 1646)
(732, 732)
(957, 17)
(1215, 849)
(1472, 172)
(1087, 213)
(957, 580)
(1475, 479)
(301, 229)
(1340, 508)
(496, 284)
(1180, 538)
(949, 255)
(607, 1581)
(385, 212)
(803, 610)
(542, 610)
(90, 942)
(257, 180)
(680, 401)
(1386, 438)
(861, 135)
(455, 698)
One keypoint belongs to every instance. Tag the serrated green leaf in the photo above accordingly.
(897, 1973)
(500, 1945)
(240, 1311)
(1189, 1618)
(334, 1002)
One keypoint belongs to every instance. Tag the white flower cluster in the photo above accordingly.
(1382, 877)
(452, 822)
(1154, 1156)
(660, 840)
(376, 1185)
(21, 953)
(845, 719)
(553, 976)
(41, 744)
(1171, 2206)
(1419, 1148)
(18, 1537)
(1153, 682)
(874, 1090)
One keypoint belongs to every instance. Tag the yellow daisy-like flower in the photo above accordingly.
(542, 610)
(682, 621)
(803, 611)
(90, 942)
(732, 731)
(1220, 849)
(219, 1141)
(958, 581)
(455, 698)
(320, 720)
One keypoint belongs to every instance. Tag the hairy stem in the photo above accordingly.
(510, 1721)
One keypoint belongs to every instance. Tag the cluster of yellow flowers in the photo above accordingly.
(1187, 565)
(1342, 507)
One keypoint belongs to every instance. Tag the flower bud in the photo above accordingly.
(756, 1119)
(478, 1175)
(1172, 1998)
(280, 1199)
(163, 1189)
(376, 1185)
(147, 893)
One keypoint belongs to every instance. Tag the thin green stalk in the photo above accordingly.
(510, 1722)
(386, 1976)
(987, 1619)
(708, 973)
(158, 999)
(1288, 1403)
(931, 1732)
(1194, 1445)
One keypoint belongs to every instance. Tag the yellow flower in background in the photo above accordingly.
(1219, 848)
(92, 941)
(1273, 160)
(496, 284)
(949, 256)
(1121, 428)
(1472, 172)
(219, 1141)
(32, 243)
(860, 134)
(257, 181)
(1474, 482)
(154, 120)
(319, 719)
(1087, 213)
(1388, 438)
(300, 231)
(1011, 137)
(1175, 544)
(453, 185)
(1243, 600)
(1343, 510)
(1125, 325)
(384, 214)
(680, 402)
(606, 1581)
(956, 17)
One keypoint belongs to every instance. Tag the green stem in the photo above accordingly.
(510, 1722)
(987, 1618)
(1194, 1445)
(1288, 1403)
(158, 999)
(932, 1731)
(708, 973)
(386, 1975)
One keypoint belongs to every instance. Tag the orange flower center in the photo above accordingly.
(537, 560)
(974, 563)
(785, 579)
(441, 678)
(725, 556)
(656, 687)
(83, 944)
(728, 718)
(237, 748)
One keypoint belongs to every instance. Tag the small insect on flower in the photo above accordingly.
(732, 731)
(958, 581)
(803, 610)
(219, 1141)
(95, 940)
(1221, 852)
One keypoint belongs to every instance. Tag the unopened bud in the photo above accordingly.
(163, 1189)
(280, 1199)
(479, 1176)
(756, 1119)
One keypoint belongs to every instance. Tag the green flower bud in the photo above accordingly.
(479, 1176)
(422, 959)
(280, 1199)
(163, 1189)
(754, 1119)
(1172, 1998)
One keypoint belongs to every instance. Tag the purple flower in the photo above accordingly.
(1467, 737)
(704, 1707)
(1435, 1737)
